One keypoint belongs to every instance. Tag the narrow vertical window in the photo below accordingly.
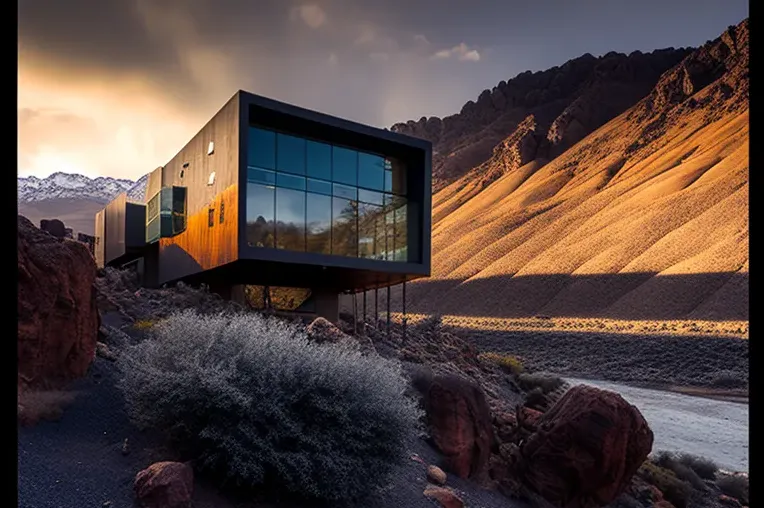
(211, 217)
(222, 212)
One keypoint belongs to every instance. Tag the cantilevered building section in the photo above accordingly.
(270, 194)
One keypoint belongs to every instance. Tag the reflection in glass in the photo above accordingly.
(290, 154)
(261, 148)
(319, 213)
(344, 227)
(264, 176)
(371, 171)
(260, 210)
(290, 219)
(319, 160)
(368, 215)
(401, 231)
(372, 197)
(397, 175)
(290, 181)
(319, 186)
(344, 165)
(344, 191)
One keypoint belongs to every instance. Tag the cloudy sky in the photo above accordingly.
(116, 87)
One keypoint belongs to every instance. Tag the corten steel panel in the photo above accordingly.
(115, 228)
(100, 239)
(201, 246)
(304, 269)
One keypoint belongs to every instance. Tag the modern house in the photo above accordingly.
(271, 194)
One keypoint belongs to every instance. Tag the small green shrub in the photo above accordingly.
(674, 490)
(509, 363)
(683, 471)
(253, 401)
(535, 399)
(736, 486)
(546, 382)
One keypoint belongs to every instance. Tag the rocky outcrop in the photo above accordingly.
(53, 226)
(57, 316)
(567, 103)
(460, 424)
(165, 485)
(585, 450)
(322, 331)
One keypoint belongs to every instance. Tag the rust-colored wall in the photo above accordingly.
(201, 247)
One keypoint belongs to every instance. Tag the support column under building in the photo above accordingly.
(327, 304)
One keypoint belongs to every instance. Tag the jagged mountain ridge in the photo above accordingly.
(72, 186)
(565, 103)
(644, 218)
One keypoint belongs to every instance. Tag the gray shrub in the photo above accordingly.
(253, 400)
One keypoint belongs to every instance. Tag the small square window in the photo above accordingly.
(211, 217)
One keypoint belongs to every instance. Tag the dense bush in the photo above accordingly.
(675, 491)
(546, 382)
(734, 486)
(251, 399)
(509, 363)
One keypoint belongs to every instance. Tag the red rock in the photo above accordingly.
(58, 319)
(529, 417)
(729, 501)
(445, 496)
(165, 485)
(460, 424)
(436, 475)
(586, 450)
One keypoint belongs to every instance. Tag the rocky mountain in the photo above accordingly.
(74, 186)
(644, 217)
(549, 110)
(72, 198)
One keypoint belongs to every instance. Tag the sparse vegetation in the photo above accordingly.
(736, 486)
(681, 468)
(703, 467)
(252, 400)
(509, 363)
(674, 490)
(542, 380)
(144, 324)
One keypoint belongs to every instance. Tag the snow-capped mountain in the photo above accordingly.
(73, 186)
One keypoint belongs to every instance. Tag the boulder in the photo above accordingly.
(445, 496)
(58, 319)
(460, 424)
(165, 485)
(586, 449)
(54, 227)
(436, 475)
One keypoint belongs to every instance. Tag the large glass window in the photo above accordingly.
(290, 155)
(261, 149)
(319, 223)
(319, 160)
(290, 219)
(344, 165)
(344, 227)
(368, 216)
(371, 171)
(310, 196)
(260, 215)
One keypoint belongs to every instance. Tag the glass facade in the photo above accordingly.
(305, 195)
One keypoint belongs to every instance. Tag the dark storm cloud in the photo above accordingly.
(168, 65)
